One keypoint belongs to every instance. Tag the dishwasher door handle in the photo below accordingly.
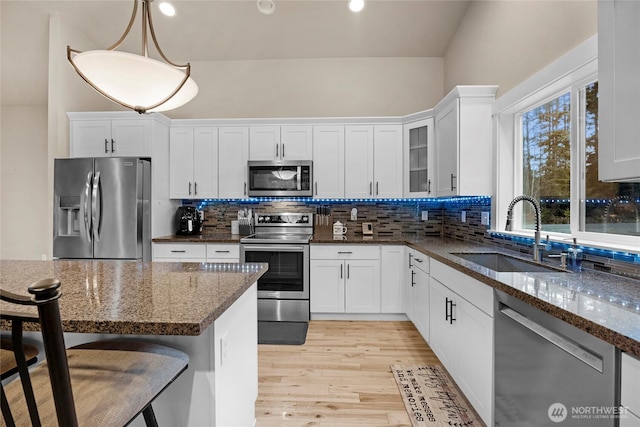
(559, 341)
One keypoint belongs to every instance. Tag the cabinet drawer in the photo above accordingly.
(331, 251)
(474, 291)
(180, 250)
(420, 261)
(630, 373)
(223, 251)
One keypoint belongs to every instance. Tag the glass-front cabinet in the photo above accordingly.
(418, 159)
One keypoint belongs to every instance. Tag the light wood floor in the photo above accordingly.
(339, 377)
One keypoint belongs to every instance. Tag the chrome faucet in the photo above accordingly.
(536, 207)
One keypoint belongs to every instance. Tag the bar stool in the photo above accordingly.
(103, 383)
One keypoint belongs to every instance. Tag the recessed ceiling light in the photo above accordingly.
(356, 5)
(167, 8)
(266, 7)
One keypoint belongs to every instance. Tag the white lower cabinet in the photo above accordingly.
(417, 291)
(630, 391)
(392, 279)
(223, 252)
(179, 252)
(461, 334)
(345, 279)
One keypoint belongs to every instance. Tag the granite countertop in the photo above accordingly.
(602, 304)
(130, 297)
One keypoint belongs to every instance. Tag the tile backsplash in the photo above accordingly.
(445, 218)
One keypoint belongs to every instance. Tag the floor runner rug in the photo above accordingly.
(432, 399)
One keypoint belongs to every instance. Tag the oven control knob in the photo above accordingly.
(267, 218)
(305, 219)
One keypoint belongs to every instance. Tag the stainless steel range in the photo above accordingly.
(281, 239)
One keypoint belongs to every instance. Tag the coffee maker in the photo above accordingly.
(188, 221)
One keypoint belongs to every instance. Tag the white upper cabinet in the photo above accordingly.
(373, 161)
(464, 148)
(109, 135)
(280, 143)
(193, 168)
(233, 152)
(387, 158)
(328, 161)
(619, 90)
(418, 159)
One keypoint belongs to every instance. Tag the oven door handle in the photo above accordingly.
(274, 248)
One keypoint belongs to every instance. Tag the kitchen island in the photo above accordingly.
(207, 310)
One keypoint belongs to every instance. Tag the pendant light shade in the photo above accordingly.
(135, 81)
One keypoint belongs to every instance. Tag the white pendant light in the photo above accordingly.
(135, 81)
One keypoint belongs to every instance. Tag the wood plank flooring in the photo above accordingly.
(339, 377)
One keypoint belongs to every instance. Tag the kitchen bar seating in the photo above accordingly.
(103, 383)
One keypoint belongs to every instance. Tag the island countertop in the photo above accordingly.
(131, 297)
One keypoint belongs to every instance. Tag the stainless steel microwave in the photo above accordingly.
(286, 178)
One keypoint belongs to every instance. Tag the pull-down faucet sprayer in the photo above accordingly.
(536, 207)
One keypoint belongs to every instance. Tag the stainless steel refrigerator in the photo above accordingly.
(102, 208)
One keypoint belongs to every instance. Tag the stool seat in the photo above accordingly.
(112, 382)
(8, 365)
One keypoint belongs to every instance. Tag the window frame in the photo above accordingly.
(570, 73)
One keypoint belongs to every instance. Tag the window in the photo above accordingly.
(547, 148)
(607, 207)
(547, 160)
(546, 163)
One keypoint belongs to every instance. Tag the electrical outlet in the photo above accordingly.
(484, 218)
(463, 216)
(354, 214)
(425, 215)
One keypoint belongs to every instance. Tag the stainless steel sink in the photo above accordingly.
(504, 263)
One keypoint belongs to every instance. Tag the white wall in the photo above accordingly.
(24, 183)
(344, 87)
(505, 42)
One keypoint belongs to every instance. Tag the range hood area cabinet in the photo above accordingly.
(464, 142)
(280, 143)
(619, 90)
(192, 151)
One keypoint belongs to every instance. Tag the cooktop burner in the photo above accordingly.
(281, 228)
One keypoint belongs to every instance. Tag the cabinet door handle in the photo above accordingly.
(277, 147)
(348, 270)
(370, 188)
(195, 188)
(428, 186)
(245, 188)
(410, 257)
(177, 251)
(316, 188)
(283, 150)
(112, 145)
(341, 268)
(222, 252)
(448, 310)
(413, 273)
(377, 192)
(345, 252)
(106, 146)
(419, 260)
(452, 178)
(189, 188)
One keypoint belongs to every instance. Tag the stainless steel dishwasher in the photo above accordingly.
(549, 373)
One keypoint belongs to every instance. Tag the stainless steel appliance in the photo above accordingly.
(288, 178)
(549, 373)
(102, 208)
(281, 239)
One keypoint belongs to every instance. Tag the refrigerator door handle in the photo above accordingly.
(87, 196)
(96, 210)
